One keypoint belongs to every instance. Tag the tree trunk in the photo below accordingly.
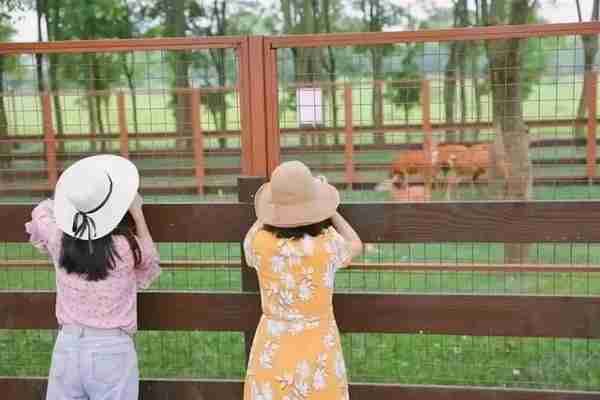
(332, 71)
(4, 147)
(505, 65)
(476, 88)
(90, 103)
(129, 72)
(450, 91)
(176, 26)
(462, 67)
(377, 97)
(54, 88)
(96, 99)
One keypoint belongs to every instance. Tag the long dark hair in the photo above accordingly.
(76, 257)
(299, 231)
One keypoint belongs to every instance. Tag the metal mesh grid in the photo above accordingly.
(477, 268)
(539, 363)
(186, 266)
(393, 97)
(139, 104)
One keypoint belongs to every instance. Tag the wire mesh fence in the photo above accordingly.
(175, 113)
(536, 363)
(463, 268)
(437, 111)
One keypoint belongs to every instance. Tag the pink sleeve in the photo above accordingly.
(149, 268)
(42, 229)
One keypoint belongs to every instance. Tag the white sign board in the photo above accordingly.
(309, 106)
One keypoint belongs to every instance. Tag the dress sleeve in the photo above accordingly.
(42, 230)
(252, 258)
(340, 249)
(149, 268)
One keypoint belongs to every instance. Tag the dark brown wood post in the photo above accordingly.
(247, 187)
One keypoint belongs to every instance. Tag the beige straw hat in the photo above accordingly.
(294, 197)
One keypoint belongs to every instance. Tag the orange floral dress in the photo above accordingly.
(296, 354)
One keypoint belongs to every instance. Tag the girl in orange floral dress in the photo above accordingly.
(296, 246)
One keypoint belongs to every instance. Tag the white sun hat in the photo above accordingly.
(93, 195)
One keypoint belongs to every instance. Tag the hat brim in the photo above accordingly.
(324, 206)
(126, 181)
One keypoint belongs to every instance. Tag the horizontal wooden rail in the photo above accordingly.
(488, 222)
(477, 315)
(546, 123)
(357, 266)
(122, 45)
(437, 35)
(169, 172)
(194, 389)
(222, 188)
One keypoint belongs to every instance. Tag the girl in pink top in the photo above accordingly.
(100, 264)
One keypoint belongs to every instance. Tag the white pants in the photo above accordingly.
(93, 364)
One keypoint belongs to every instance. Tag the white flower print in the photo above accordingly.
(329, 276)
(322, 360)
(302, 389)
(340, 366)
(272, 289)
(336, 246)
(266, 357)
(276, 328)
(296, 327)
(286, 298)
(288, 281)
(308, 245)
(303, 369)
(264, 393)
(277, 264)
(305, 290)
(329, 340)
(285, 381)
(288, 250)
(319, 379)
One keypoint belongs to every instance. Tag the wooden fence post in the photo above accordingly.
(247, 187)
(123, 132)
(198, 139)
(49, 140)
(253, 107)
(591, 99)
(428, 146)
(349, 137)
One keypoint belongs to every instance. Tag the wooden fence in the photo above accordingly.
(485, 315)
